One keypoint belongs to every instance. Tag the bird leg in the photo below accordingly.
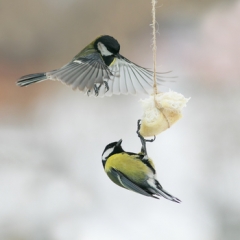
(139, 135)
(97, 88)
(106, 85)
(143, 140)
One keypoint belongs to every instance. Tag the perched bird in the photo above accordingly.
(133, 171)
(99, 70)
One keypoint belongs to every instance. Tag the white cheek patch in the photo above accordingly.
(103, 50)
(107, 153)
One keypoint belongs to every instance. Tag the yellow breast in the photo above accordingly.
(129, 165)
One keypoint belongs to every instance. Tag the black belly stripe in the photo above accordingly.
(108, 59)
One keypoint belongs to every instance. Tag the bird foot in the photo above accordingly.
(143, 141)
(140, 136)
(97, 88)
(106, 86)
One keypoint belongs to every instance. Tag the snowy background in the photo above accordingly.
(52, 183)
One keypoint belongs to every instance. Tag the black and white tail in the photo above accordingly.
(159, 191)
(168, 196)
(31, 78)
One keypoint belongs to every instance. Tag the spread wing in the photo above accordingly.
(128, 184)
(83, 73)
(90, 73)
(128, 78)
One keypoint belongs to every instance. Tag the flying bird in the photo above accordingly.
(100, 70)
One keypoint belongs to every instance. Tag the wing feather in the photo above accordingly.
(79, 79)
(62, 72)
(129, 77)
(139, 83)
(127, 183)
(71, 78)
(116, 87)
(123, 84)
(122, 76)
(83, 73)
(130, 86)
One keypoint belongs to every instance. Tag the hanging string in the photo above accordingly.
(154, 47)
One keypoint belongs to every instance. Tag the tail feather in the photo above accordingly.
(31, 78)
(168, 196)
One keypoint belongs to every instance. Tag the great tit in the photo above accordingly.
(99, 70)
(133, 171)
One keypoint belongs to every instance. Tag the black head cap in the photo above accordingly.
(112, 148)
(109, 42)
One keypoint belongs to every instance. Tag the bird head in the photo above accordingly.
(110, 149)
(107, 45)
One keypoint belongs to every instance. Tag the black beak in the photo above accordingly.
(119, 142)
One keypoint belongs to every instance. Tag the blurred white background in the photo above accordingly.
(52, 183)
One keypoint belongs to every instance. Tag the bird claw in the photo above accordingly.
(151, 140)
(97, 88)
(143, 141)
(140, 136)
(138, 126)
(106, 86)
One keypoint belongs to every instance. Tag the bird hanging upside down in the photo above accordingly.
(133, 171)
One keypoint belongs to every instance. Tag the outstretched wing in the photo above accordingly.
(89, 73)
(128, 184)
(83, 73)
(128, 78)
